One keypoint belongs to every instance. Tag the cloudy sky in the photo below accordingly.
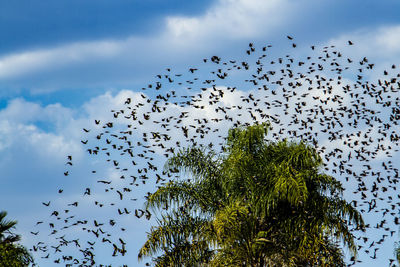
(65, 63)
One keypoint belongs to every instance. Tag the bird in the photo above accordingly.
(325, 97)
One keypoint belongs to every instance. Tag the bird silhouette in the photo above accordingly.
(326, 99)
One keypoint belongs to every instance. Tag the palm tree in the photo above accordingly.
(6, 237)
(11, 254)
(260, 203)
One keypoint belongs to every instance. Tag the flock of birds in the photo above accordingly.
(325, 98)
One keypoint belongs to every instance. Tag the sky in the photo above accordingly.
(64, 64)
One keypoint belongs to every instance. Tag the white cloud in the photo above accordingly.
(389, 39)
(29, 143)
(22, 111)
(226, 20)
(34, 61)
(231, 18)
(380, 43)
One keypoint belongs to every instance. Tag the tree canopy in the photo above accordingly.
(260, 203)
(11, 253)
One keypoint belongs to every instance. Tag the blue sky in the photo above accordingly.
(65, 63)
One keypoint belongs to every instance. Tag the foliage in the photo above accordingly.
(397, 251)
(11, 254)
(14, 255)
(260, 203)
